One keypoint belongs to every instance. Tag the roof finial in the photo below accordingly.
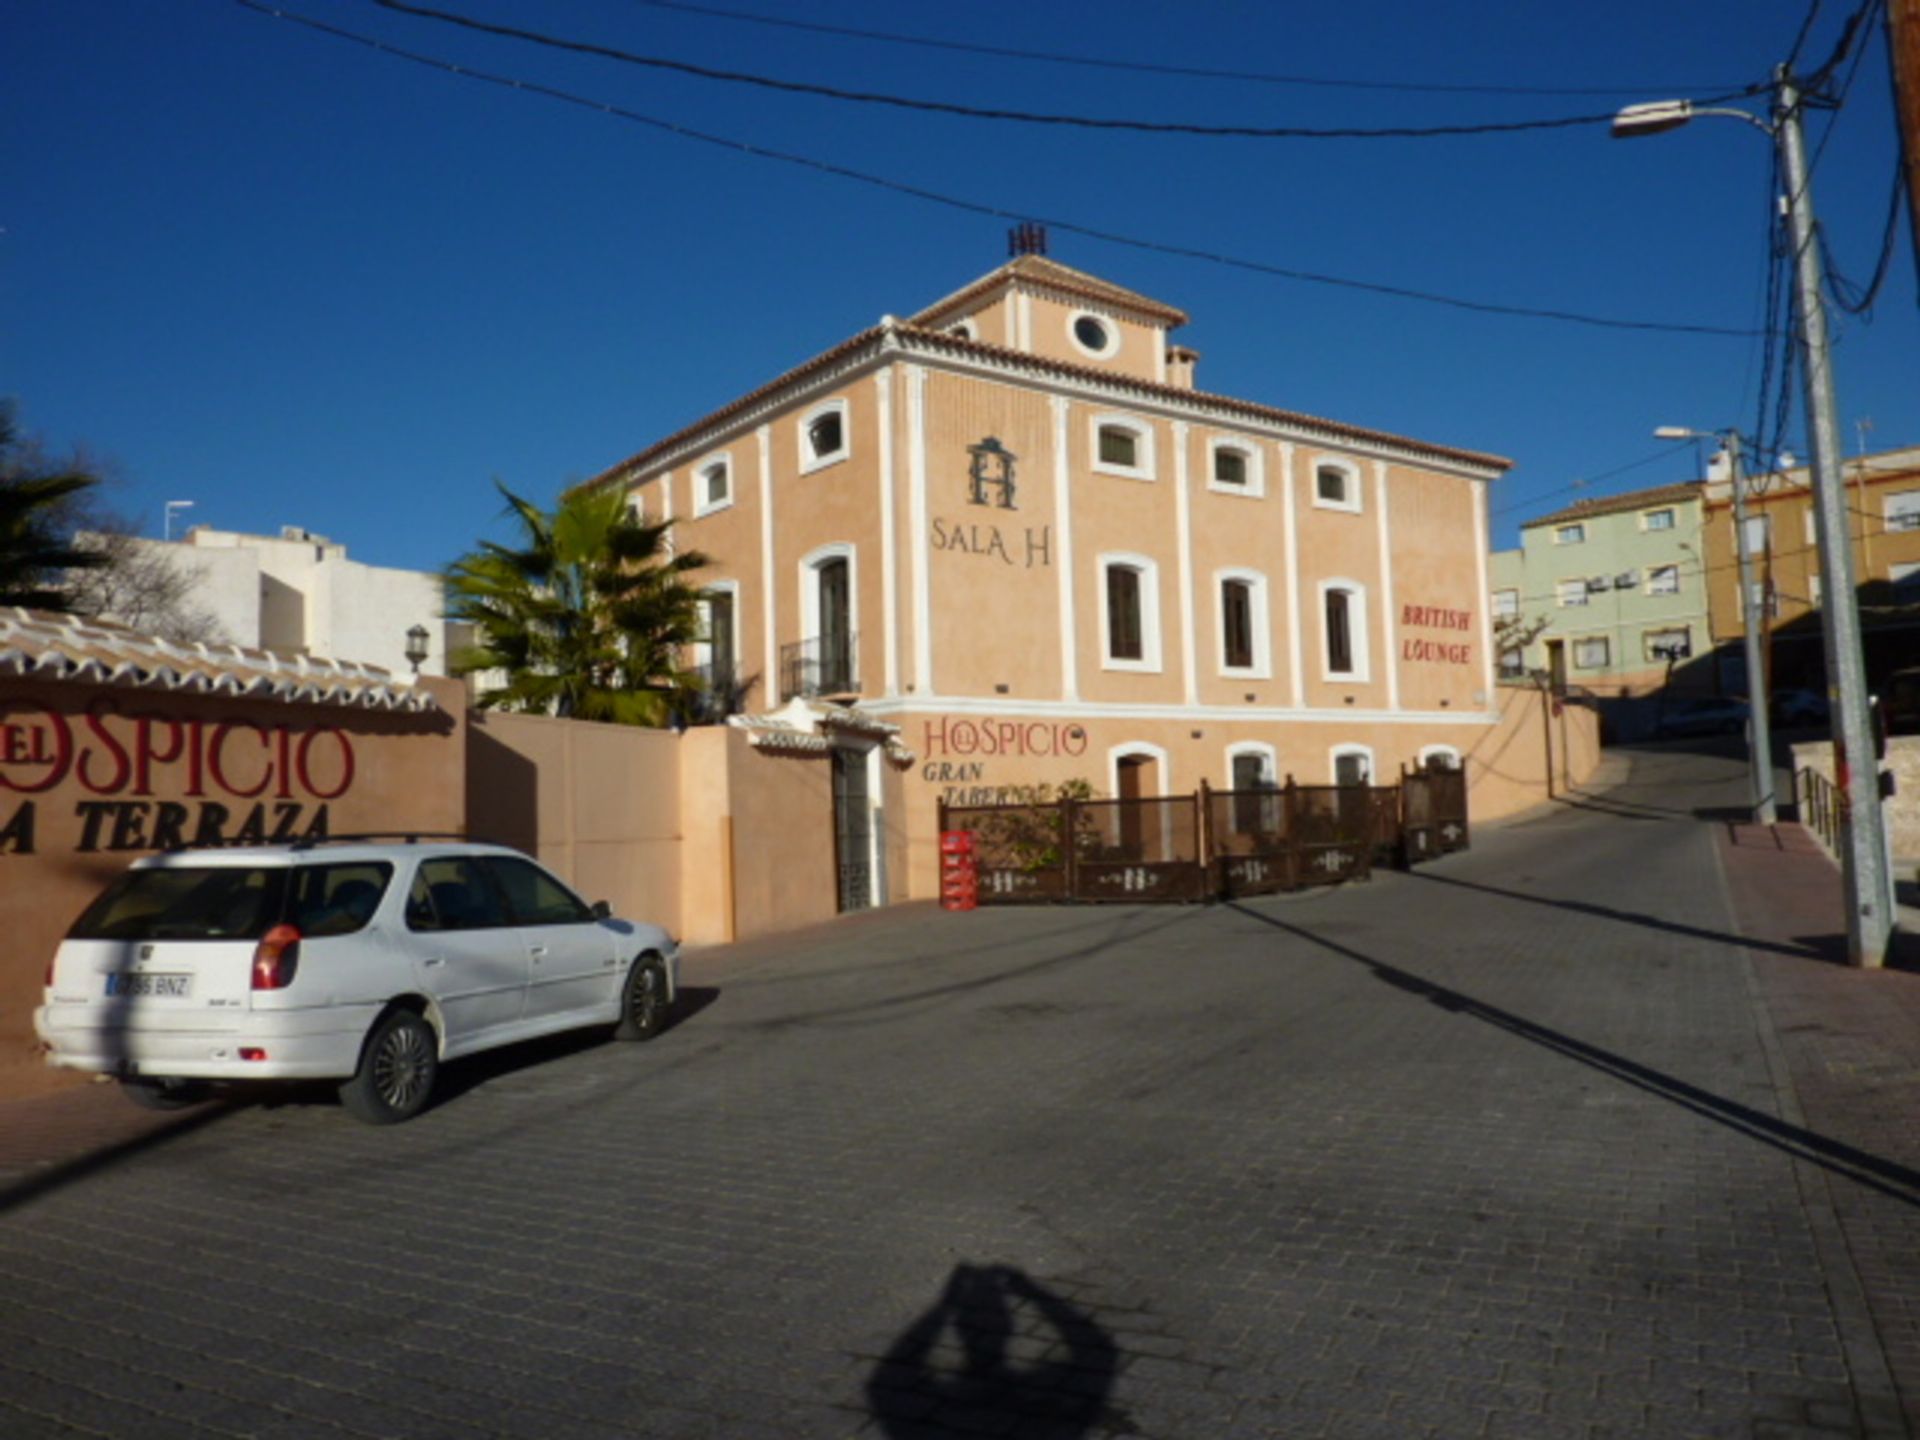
(1027, 238)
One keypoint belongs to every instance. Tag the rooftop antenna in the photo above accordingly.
(1027, 238)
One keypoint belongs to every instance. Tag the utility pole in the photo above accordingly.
(1903, 56)
(1759, 723)
(1869, 876)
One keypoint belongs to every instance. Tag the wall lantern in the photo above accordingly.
(417, 646)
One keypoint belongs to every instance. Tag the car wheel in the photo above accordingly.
(164, 1094)
(397, 1069)
(643, 1006)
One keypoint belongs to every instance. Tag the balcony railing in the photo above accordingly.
(824, 665)
(722, 692)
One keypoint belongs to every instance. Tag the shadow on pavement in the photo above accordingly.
(69, 1172)
(997, 1353)
(1795, 951)
(1888, 1177)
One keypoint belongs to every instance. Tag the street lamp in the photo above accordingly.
(1759, 724)
(417, 638)
(168, 511)
(1863, 857)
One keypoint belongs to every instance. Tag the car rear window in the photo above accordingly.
(225, 902)
(235, 902)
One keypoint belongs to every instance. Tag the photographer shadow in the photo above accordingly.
(997, 1352)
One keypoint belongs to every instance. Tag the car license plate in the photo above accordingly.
(174, 986)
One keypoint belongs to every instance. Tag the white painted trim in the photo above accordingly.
(1105, 322)
(1025, 303)
(770, 684)
(889, 542)
(809, 462)
(1183, 539)
(809, 574)
(1159, 343)
(701, 505)
(1350, 748)
(1010, 314)
(1362, 672)
(1143, 467)
(1010, 707)
(1063, 514)
(1146, 750)
(917, 518)
(1353, 503)
(1261, 605)
(666, 504)
(1271, 770)
(1256, 457)
(1488, 660)
(1389, 617)
(965, 329)
(1150, 650)
(1428, 751)
(1296, 652)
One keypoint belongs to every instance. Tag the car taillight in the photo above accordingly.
(276, 957)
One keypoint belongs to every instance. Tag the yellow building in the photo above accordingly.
(1012, 527)
(1883, 508)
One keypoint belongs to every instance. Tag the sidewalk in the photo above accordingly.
(1848, 1044)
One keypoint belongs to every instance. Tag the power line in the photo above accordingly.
(1806, 28)
(1663, 453)
(1258, 77)
(1025, 117)
(974, 207)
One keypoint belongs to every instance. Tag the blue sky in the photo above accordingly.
(300, 282)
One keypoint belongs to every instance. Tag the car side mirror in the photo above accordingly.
(602, 910)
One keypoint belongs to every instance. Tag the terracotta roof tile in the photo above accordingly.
(1614, 504)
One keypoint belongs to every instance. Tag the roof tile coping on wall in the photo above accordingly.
(895, 333)
(1615, 504)
(44, 645)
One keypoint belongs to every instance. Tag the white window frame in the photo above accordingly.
(1563, 597)
(1653, 586)
(1255, 456)
(1362, 671)
(1560, 533)
(1511, 606)
(1646, 519)
(1146, 750)
(703, 649)
(1143, 468)
(1257, 601)
(1150, 655)
(1573, 651)
(809, 611)
(1270, 758)
(1646, 641)
(701, 505)
(1351, 748)
(1111, 326)
(965, 330)
(809, 462)
(1427, 752)
(1355, 501)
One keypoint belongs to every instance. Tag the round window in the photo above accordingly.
(1093, 334)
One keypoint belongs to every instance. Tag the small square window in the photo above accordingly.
(1571, 592)
(1506, 604)
(1119, 447)
(1663, 580)
(1591, 654)
(1229, 467)
(1663, 646)
(713, 486)
(1659, 520)
(1570, 535)
(824, 437)
(1331, 486)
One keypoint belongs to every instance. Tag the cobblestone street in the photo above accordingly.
(1524, 1143)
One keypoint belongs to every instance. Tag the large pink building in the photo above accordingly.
(1012, 527)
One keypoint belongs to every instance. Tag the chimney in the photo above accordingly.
(1180, 365)
(1027, 238)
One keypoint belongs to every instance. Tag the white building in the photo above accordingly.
(298, 592)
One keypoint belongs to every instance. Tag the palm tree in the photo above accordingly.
(587, 619)
(34, 506)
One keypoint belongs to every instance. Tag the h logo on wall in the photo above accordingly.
(992, 464)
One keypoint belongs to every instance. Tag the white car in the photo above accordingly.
(350, 960)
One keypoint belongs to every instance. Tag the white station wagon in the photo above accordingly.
(367, 963)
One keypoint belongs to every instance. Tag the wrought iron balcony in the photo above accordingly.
(825, 666)
(722, 692)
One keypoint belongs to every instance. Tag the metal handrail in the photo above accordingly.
(822, 665)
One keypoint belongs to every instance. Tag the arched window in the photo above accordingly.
(1234, 467)
(823, 436)
(713, 485)
(1352, 764)
(1336, 485)
(1122, 446)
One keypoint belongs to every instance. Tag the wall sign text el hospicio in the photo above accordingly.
(155, 782)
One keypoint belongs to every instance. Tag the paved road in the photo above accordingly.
(1504, 1147)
